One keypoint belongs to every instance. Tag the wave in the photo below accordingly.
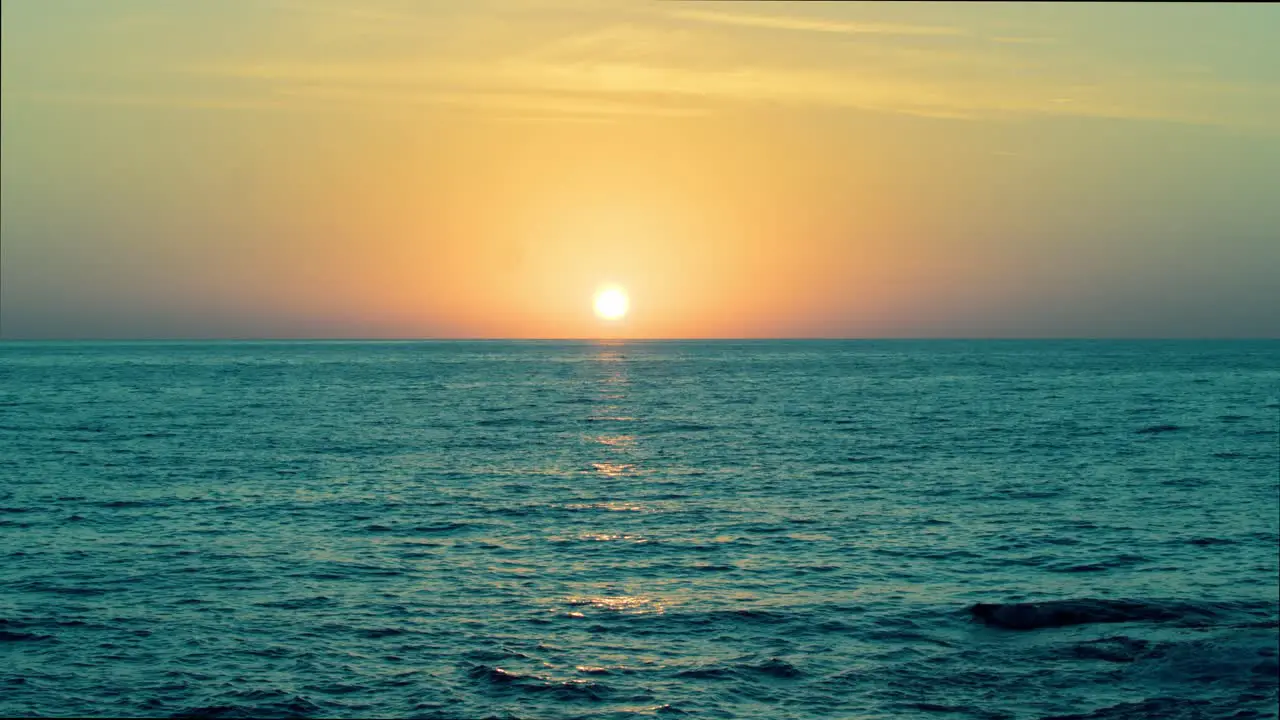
(1173, 708)
(677, 427)
(1119, 649)
(44, 587)
(840, 473)
(1154, 429)
(10, 636)
(1211, 541)
(1063, 613)
(483, 655)
(564, 690)
(299, 603)
(773, 667)
(279, 704)
(445, 527)
(1236, 653)
(516, 422)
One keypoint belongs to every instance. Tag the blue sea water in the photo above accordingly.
(898, 529)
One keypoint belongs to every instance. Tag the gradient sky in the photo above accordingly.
(385, 168)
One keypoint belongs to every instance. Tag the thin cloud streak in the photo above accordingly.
(550, 104)
(138, 100)
(621, 89)
(785, 22)
(653, 65)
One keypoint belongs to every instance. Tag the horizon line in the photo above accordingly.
(1005, 338)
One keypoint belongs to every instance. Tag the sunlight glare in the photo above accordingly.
(611, 304)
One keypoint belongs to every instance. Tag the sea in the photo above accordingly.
(618, 529)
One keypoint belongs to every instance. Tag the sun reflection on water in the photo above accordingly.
(609, 506)
(611, 456)
(607, 537)
(614, 469)
(616, 440)
(629, 604)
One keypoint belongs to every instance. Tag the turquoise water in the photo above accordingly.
(708, 529)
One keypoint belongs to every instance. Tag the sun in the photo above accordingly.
(611, 303)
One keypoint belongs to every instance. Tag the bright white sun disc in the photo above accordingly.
(611, 304)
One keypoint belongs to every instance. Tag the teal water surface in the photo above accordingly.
(786, 529)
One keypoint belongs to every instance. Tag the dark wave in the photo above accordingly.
(295, 706)
(1171, 708)
(1120, 649)
(134, 503)
(682, 427)
(1154, 429)
(516, 422)
(299, 603)
(1076, 568)
(773, 667)
(706, 673)
(1062, 613)
(840, 473)
(445, 527)
(9, 636)
(1211, 541)
(43, 587)
(377, 633)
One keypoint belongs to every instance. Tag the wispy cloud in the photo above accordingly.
(656, 63)
(1016, 40)
(594, 88)
(646, 89)
(819, 25)
(519, 104)
(152, 100)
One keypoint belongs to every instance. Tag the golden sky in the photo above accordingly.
(386, 168)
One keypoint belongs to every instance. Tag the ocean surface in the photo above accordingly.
(826, 529)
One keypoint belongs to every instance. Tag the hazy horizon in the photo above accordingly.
(611, 341)
(431, 170)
